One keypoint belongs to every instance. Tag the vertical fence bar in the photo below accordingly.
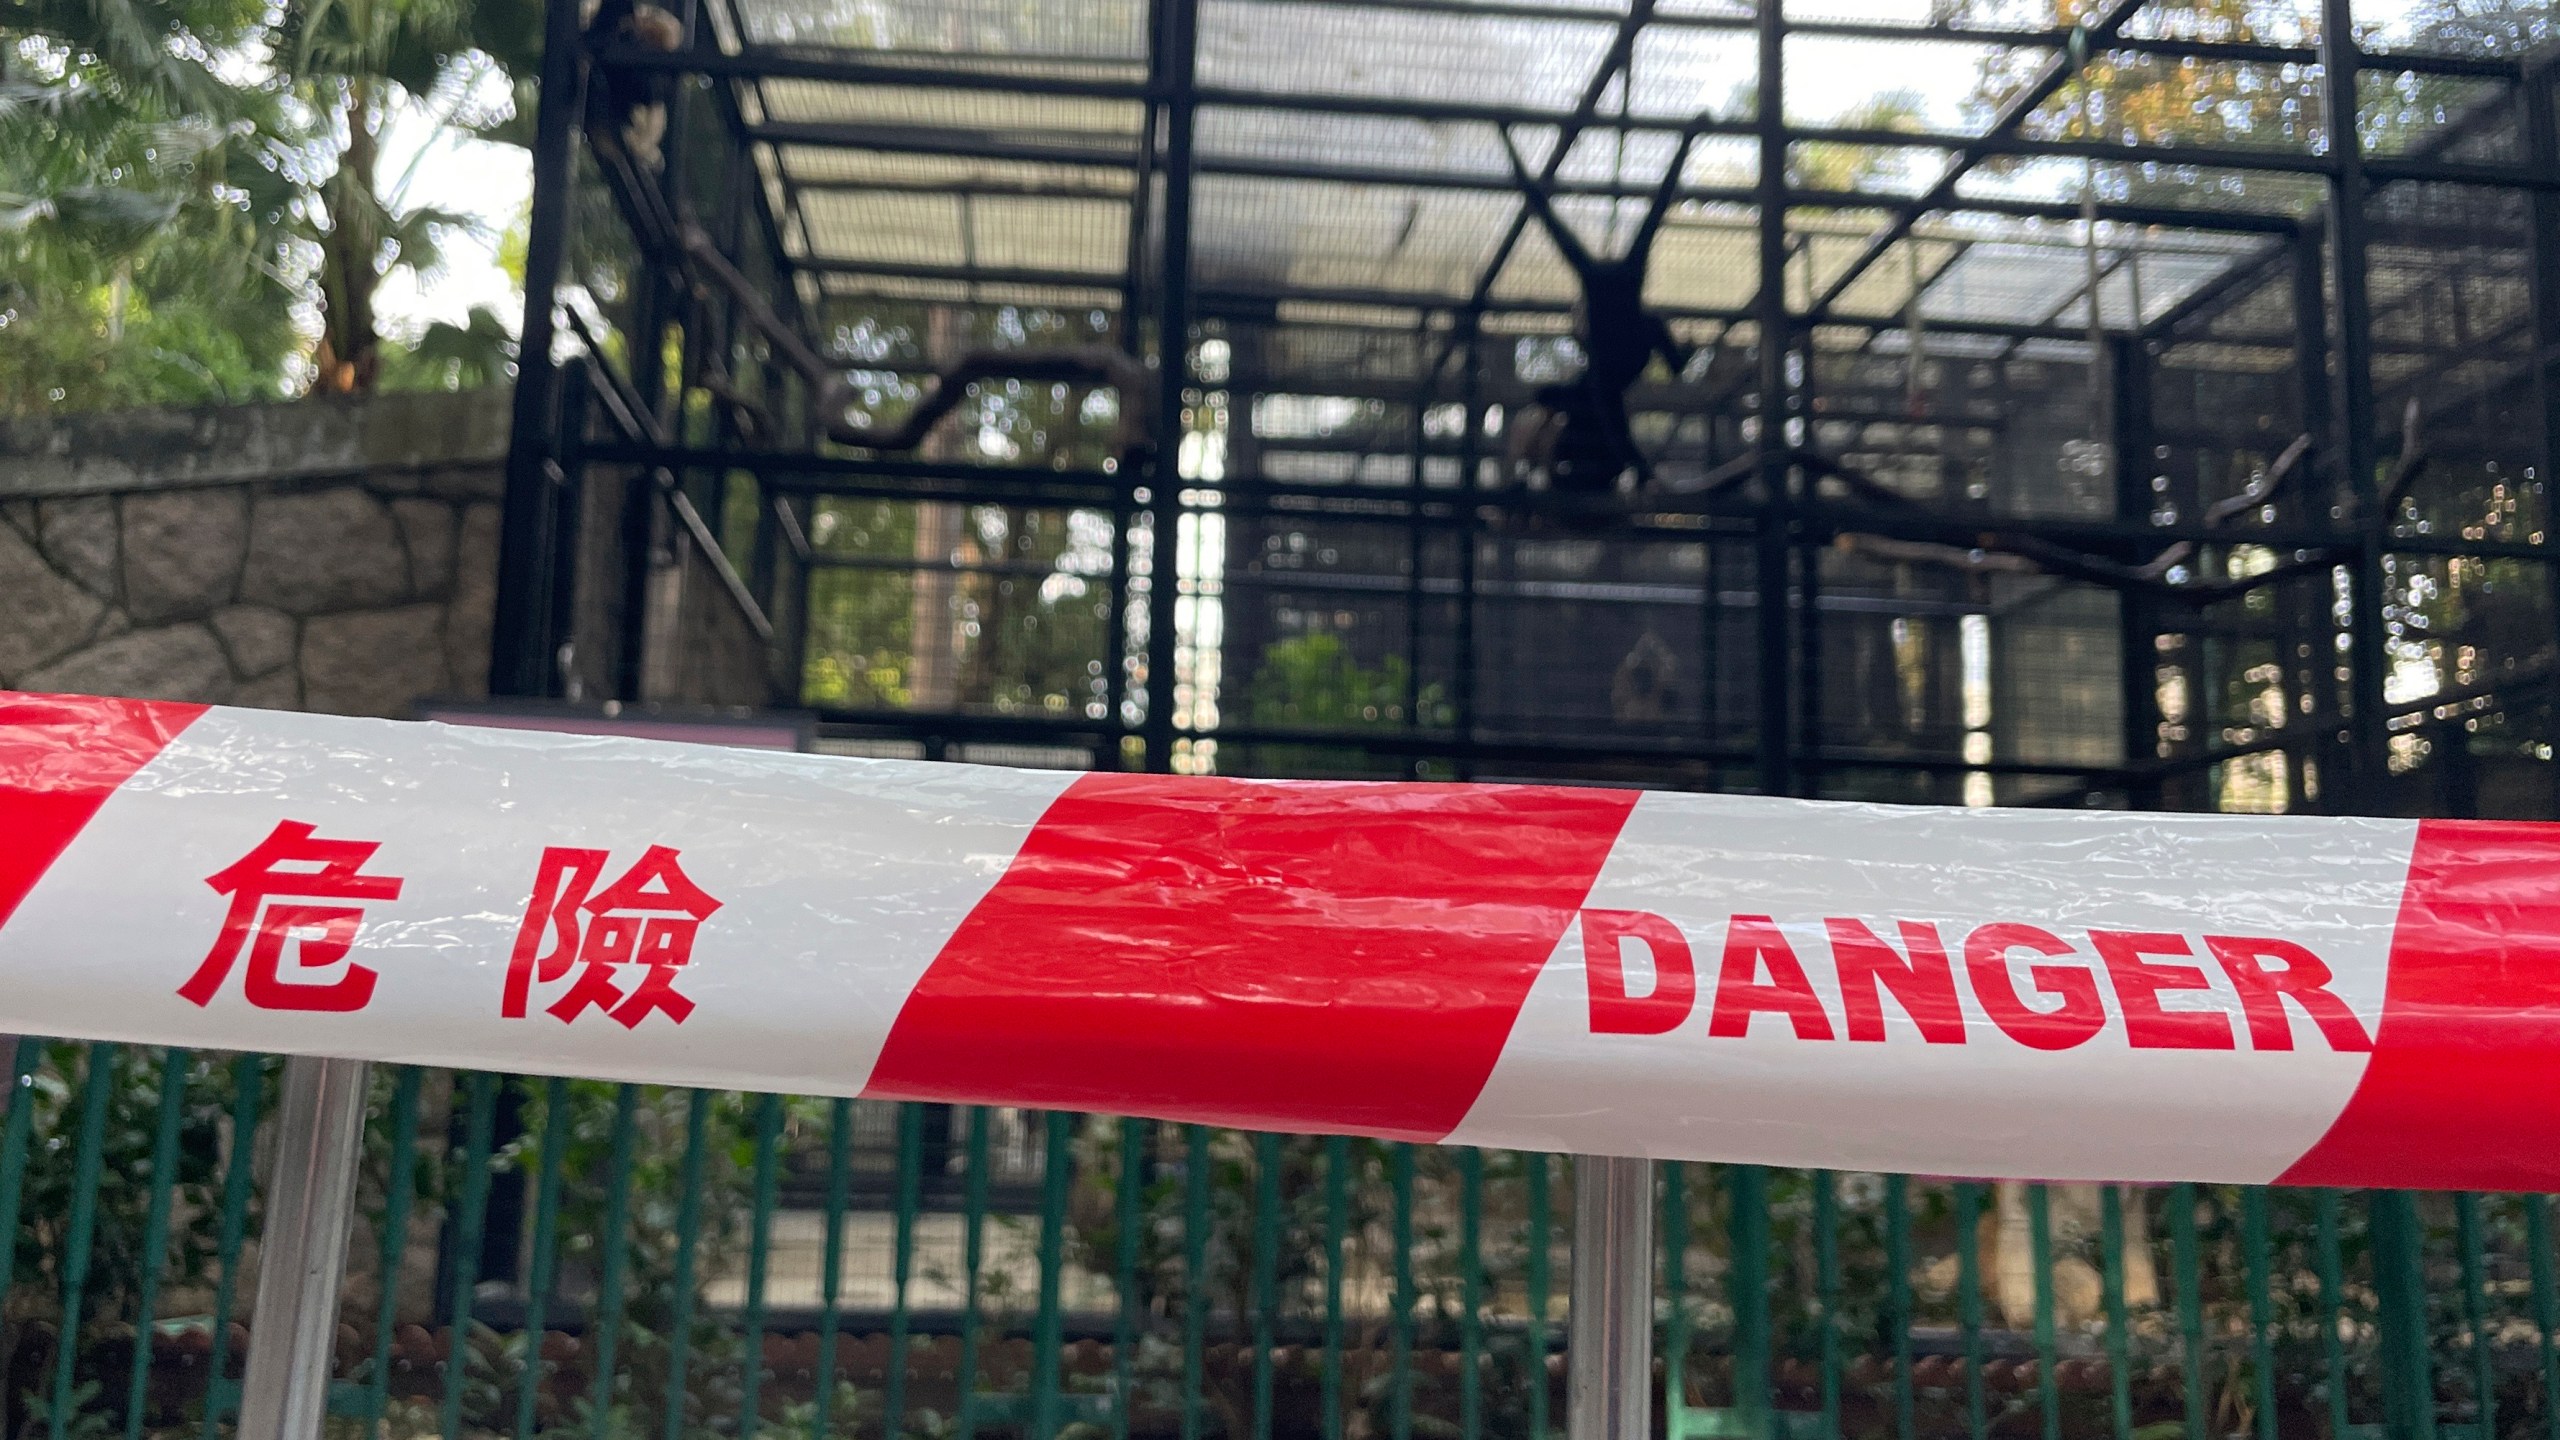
(615, 1247)
(1400, 1324)
(1541, 1290)
(2186, 1255)
(1050, 1343)
(1124, 1324)
(1753, 1342)
(2400, 1293)
(2546, 1306)
(553, 1156)
(1470, 1294)
(2258, 1260)
(1266, 1273)
(13, 1168)
(902, 1267)
(174, 1065)
(973, 1255)
(1195, 1275)
(1897, 1302)
(302, 1249)
(1337, 1241)
(1826, 1287)
(2330, 1260)
(1608, 1360)
(1968, 1207)
(768, 1159)
(97, 1087)
(697, 1159)
(902, 1261)
(1675, 1298)
(2475, 1310)
(831, 1279)
(398, 1183)
(2111, 1259)
(248, 1086)
(2040, 1251)
(463, 1254)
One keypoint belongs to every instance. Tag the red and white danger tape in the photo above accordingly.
(1992, 993)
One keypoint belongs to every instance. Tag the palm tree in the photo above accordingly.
(355, 64)
(141, 210)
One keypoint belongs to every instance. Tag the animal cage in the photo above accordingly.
(2096, 403)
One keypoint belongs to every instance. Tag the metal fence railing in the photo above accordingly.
(561, 1258)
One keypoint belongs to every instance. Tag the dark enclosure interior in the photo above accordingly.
(2263, 528)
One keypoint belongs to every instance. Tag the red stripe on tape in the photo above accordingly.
(61, 756)
(1314, 956)
(2459, 1092)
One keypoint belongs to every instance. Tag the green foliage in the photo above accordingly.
(119, 1205)
(1314, 682)
(142, 212)
(1011, 603)
(178, 177)
(453, 357)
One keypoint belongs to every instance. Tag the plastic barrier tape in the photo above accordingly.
(2076, 995)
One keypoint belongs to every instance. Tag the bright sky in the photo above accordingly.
(449, 170)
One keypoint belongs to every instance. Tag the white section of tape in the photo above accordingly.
(1989, 1106)
(839, 881)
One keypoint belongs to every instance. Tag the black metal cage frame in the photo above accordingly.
(2287, 376)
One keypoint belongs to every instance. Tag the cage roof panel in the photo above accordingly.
(990, 117)
(1276, 46)
(1079, 29)
(1277, 236)
(830, 166)
(1349, 152)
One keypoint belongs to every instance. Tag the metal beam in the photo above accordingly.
(2351, 368)
(524, 630)
(2284, 162)
(1112, 183)
(1774, 548)
(2017, 108)
(1176, 72)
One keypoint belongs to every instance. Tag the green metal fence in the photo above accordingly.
(568, 1258)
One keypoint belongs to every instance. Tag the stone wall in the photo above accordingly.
(328, 555)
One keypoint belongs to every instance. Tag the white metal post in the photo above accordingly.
(1609, 1334)
(302, 1250)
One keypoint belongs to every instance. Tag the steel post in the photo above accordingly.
(1609, 1334)
(302, 1252)
(1178, 45)
(525, 634)
(1773, 552)
(2351, 368)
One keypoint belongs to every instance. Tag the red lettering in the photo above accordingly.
(1751, 943)
(2303, 980)
(559, 887)
(1986, 961)
(647, 920)
(293, 862)
(1924, 985)
(2138, 982)
(1675, 973)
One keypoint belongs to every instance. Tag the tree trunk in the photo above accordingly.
(350, 353)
